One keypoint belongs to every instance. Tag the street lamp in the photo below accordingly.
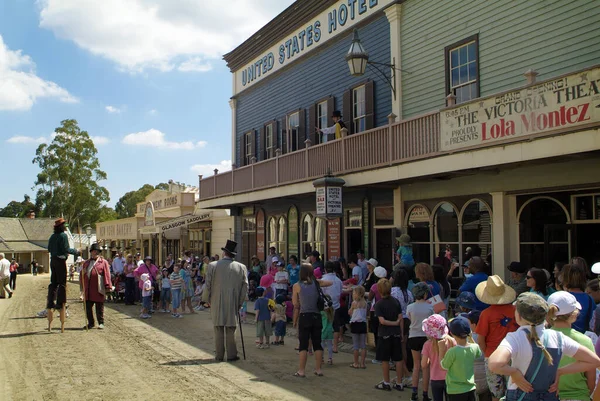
(358, 58)
(88, 234)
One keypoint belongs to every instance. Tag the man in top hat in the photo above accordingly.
(58, 246)
(96, 281)
(336, 128)
(495, 322)
(226, 289)
(518, 277)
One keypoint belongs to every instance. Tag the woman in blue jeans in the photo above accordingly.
(530, 355)
(307, 318)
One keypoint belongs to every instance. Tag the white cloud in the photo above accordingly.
(155, 138)
(113, 110)
(158, 34)
(20, 87)
(153, 112)
(30, 140)
(209, 169)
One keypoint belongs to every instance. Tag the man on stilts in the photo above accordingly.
(58, 246)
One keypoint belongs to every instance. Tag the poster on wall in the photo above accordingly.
(260, 235)
(365, 226)
(293, 231)
(334, 239)
(558, 104)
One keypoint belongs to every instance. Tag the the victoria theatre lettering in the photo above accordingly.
(556, 104)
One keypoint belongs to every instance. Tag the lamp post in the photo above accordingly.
(88, 233)
(358, 59)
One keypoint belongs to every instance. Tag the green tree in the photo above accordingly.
(106, 213)
(18, 209)
(68, 184)
(127, 204)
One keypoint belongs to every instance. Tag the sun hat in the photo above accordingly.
(493, 291)
(435, 326)
(460, 327)
(403, 239)
(466, 299)
(420, 289)
(596, 268)
(564, 301)
(373, 262)
(532, 308)
(380, 272)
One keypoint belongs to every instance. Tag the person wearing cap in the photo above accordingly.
(274, 266)
(58, 246)
(495, 322)
(317, 264)
(272, 255)
(529, 355)
(378, 273)
(282, 280)
(459, 361)
(335, 130)
(370, 278)
(466, 301)
(563, 312)
(477, 267)
(517, 281)
(226, 290)
(96, 281)
(148, 267)
(405, 251)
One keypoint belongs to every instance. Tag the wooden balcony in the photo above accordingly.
(396, 143)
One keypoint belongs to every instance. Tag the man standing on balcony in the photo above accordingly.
(336, 128)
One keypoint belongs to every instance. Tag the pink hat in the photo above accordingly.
(435, 326)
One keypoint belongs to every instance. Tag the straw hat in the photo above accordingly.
(495, 292)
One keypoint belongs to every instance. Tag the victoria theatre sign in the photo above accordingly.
(553, 105)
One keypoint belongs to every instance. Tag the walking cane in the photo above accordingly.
(84, 307)
(242, 335)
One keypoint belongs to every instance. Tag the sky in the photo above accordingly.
(145, 78)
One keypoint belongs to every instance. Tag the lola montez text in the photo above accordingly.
(511, 110)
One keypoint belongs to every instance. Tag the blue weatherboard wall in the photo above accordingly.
(315, 76)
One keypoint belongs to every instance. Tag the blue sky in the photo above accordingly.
(145, 78)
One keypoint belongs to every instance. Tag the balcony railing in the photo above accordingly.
(383, 146)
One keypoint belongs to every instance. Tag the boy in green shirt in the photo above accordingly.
(459, 361)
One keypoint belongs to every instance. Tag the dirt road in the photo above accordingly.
(157, 359)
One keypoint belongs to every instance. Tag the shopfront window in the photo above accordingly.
(445, 230)
(293, 129)
(359, 109)
(418, 229)
(320, 235)
(476, 230)
(282, 237)
(272, 233)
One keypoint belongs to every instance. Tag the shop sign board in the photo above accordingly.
(334, 240)
(260, 235)
(293, 231)
(183, 221)
(558, 104)
(116, 230)
(329, 201)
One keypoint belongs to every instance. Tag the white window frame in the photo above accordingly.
(322, 114)
(359, 108)
(293, 131)
(471, 82)
(248, 144)
(269, 141)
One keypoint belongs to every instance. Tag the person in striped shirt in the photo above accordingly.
(176, 288)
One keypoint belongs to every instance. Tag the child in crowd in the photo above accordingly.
(358, 327)
(244, 312)
(176, 282)
(495, 322)
(389, 345)
(564, 309)
(165, 291)
(401, 292)
(263, 319)
(280, 320)
(327, 331)
(417, 313)
(282, 280)
(405, 251)
(146, 296)
(458, 361)
(436, 329)
(197, 298)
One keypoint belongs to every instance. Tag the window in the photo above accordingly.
(354, 218)
(269, 143)
(282, 237)
(322, 119)
(462, 69)
(476, 230)
(249, 142)
(308, 232)
(293, 131)
(445, 230)
(418, 229)
(359, 109)
(272, 233)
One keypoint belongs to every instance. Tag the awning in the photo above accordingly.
(177, 222)
(20, 247)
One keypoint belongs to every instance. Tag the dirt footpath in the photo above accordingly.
(156, 359)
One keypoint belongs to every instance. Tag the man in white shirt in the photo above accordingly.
(5, 275)
(356, 270)
(334, 291)
(118, 263)
(362, 262)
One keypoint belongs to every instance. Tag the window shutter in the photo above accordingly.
(301, 129)
(369, 105)
(263, 141)
(330, 109)
(284, 135)
(347, 112)
(242, 153)
(253, 143)
(312, 123)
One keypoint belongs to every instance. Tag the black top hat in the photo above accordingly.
(230, 247)
(337, 114)
(95, 247)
